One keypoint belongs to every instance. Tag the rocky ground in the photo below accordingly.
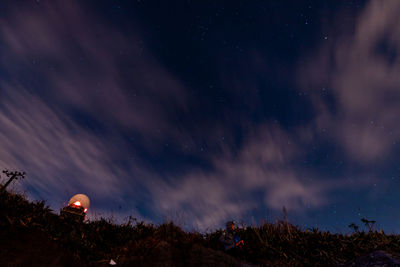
(376, 258)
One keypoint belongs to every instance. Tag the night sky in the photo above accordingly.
(205, 111)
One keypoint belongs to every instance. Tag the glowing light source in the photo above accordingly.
(79, 201)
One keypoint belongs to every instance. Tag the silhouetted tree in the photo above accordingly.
(354, 227)
(12, 176)
(368, 223)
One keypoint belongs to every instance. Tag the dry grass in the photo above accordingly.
(138, 243)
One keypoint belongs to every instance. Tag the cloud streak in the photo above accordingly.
(87, 65)
(359, 72)
(50, 145)
(60, 59)
(263, 165)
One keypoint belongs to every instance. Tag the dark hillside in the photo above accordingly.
(31, 234)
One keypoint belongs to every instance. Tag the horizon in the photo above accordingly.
(205, 112)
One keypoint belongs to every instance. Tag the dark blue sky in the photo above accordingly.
(205, 111)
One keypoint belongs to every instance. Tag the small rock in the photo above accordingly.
(377, 258)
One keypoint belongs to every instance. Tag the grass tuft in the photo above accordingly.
(138, 243)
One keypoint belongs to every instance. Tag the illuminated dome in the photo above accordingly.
(80, 200)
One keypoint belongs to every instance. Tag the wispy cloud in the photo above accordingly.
(355, 82)
(48, 144)
(85, 64)
(59, 59)
(263, 165)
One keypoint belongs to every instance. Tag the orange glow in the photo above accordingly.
(77, 203)
(241, 242)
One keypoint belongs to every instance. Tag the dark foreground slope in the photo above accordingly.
(31, 234)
